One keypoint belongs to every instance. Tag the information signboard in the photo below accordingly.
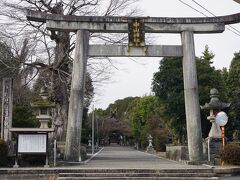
(32, 143)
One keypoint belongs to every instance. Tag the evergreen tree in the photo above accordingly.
(208, 78)
(233, 85)
(168, 86)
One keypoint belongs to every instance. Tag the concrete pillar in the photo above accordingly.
(192, 108)
(75, 112)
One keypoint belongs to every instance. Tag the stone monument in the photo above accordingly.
(7, 108)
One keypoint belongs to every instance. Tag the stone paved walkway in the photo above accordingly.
(125, 157)
(115, 159)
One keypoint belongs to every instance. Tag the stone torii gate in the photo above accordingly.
(82, 25)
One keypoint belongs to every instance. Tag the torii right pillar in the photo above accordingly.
(192, 107)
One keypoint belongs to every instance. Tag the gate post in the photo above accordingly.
(75, 112)
(192, 107)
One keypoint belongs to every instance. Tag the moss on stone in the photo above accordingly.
(42, 103)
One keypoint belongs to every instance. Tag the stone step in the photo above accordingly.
(137, 175)
(135, 170)
(77, 173)
(139, 178)
(27, 176)
(78, 170)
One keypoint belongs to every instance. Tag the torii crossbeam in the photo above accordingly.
(85, 24)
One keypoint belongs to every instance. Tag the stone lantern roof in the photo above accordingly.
(215, 103)
(44, 101)
(43, 108)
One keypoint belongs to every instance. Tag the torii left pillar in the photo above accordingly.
(75, 112)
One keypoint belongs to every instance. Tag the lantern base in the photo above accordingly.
(212, 149)
(151, 150)
(44, 123)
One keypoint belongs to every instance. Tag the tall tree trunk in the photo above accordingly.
(60, 80)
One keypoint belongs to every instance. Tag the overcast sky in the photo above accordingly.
(133, 78)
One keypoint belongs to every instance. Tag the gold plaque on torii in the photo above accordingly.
(136, 33)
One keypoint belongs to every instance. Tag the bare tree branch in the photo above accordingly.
(39, 51)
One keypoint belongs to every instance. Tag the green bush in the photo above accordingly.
(231, 154)
(3, 153)
(160, 139)
(24, 117)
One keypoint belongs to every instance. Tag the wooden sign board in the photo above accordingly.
(136, 33)
(32, 143)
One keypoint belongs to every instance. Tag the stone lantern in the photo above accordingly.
(150, 148)
(214, 137)
(43, 108)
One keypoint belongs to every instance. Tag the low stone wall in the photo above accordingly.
(177, 153)
(61, 148)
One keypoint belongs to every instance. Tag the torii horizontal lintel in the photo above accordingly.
(123, 27)
(117, 24)
(126, 51)
(43, 17)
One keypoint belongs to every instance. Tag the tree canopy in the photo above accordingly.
(136, 118)
(232, 78)
(168, 86)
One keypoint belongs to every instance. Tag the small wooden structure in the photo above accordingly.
(32, 141)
